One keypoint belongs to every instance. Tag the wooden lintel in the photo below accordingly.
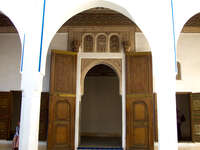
(67, 52)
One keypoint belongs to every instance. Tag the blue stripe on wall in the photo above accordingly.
(173, 24)
(22, 56)
(41, 41)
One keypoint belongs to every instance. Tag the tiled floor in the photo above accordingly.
(6, 145)
(184, 146)
(87, 141)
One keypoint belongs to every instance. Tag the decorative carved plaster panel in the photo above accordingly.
(87, 64)
(101, 42)
(114, 43)
(106, 43)
(88, 43)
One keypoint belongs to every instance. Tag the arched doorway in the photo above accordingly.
(86, 48)
(101, 109)
(10, 78)
(187, 81)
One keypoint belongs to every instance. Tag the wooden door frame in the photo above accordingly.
(79, 91)
(190, 109)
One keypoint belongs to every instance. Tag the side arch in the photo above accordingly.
(16, 22)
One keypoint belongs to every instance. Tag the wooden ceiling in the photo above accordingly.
(99, 16)
(5, 21)
(194, 21)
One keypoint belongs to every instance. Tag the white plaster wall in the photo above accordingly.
(10, 53)
(141, 43)
(101, 106)
(188, 53)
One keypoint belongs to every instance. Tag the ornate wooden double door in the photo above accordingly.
(139, 95)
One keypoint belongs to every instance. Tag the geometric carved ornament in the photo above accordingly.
(114, 43)
(88, 43)
(101, 43)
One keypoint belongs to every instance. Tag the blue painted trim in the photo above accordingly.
(22, 56)
(173, 24)
(41, 41)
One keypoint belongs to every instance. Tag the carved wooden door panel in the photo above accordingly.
(195, 116)
(5, 115)
(43, 116)
(139, 101)
(62, 101)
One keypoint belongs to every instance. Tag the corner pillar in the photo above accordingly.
(165, 84)
(30, 110)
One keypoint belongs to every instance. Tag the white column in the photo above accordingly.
(30, 110)
(165, 83)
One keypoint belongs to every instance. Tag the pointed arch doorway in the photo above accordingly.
(101, 109)
(115, 65)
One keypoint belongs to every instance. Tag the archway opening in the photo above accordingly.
(10, 79)
(101, 109)
(97, 33)
(188, 83)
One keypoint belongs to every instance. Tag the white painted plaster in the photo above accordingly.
(101, 106)
(141, 43)
(10, 47)
(166, 104)
(188, 53)
(10, 56)
(30, 110)
(10, 53)
(123, 101)
(78, 99)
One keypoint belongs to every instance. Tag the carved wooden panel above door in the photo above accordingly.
(139, 73)
(63, 71)
(5, 114)
(195, 116)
